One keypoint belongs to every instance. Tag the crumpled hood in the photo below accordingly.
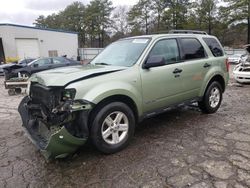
(66, 75)
(6, 66)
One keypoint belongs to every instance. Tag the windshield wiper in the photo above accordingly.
(102, 64)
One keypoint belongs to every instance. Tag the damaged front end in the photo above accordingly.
(55, 122)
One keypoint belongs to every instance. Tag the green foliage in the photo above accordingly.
(139, 16)
(99, 23)
(238, 11)
(98, 20)
(90, 22)
(176, 14)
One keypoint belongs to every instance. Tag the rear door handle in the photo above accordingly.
(206, 65)
(176, 71)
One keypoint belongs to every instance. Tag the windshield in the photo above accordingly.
(32, 62)
(122, 53)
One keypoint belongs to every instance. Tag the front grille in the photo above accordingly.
(49, 97)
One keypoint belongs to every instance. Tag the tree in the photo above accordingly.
(120, 17)
(206, 14)
(40, 22)
(51, 21)
(158, 8)
(175, 15)
(239, 11)
(139, 15)
(98, 20)
(71, 18)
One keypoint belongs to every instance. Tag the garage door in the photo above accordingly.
(27, 48)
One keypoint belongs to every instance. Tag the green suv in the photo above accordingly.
(130, 80)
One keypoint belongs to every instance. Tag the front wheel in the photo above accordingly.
(212, 98)
(113, 127)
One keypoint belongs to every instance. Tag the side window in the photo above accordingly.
(59, 61)
(214, 46)
(192, 49)
(43, 62)
(168, 49)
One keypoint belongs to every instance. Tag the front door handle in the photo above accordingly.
(176, 71)
(206, 65)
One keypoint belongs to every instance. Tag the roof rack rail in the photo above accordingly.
(188, 32)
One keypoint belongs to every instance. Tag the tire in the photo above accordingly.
(107, 135)
(11, 92)
(212, 98)
(18, 90)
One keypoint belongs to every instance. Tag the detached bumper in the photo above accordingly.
(54, 141)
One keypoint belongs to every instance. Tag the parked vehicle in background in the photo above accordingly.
(130, 80)
(236, 58)
(20, 62)
(241, 72)
(38, 65)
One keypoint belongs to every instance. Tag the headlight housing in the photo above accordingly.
(68, 94)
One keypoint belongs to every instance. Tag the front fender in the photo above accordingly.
(102, 91)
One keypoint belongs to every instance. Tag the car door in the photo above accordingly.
(41, 65)
(161, 85)
(195, 64)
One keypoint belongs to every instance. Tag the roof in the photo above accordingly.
(30, 27)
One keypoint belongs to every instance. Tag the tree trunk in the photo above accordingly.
(248, 24)
(209, 25)
(158, 22)
(174, 21)
(99, 40)
(248, 30)
(102, 38)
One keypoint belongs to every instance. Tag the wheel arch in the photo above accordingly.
(115, 98)
(217, 78)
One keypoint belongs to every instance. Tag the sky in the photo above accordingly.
(24, 12)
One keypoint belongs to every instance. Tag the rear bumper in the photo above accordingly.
(54, 141)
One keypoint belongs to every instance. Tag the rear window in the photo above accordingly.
(214, 46)
(192, 49)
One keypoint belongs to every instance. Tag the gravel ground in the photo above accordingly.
(182, 148)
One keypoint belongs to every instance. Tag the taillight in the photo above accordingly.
(227, 64)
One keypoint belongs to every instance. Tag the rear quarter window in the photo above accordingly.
(192, 49)
(214, 46)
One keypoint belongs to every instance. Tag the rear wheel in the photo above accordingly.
(112, 127)
(212, 98)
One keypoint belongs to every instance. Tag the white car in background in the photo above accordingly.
(241, 72)
(236, 58)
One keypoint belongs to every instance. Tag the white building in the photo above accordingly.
(17, 41)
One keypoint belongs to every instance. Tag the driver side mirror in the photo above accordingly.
(154, 61)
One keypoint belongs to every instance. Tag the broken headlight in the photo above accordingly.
(68, 94)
